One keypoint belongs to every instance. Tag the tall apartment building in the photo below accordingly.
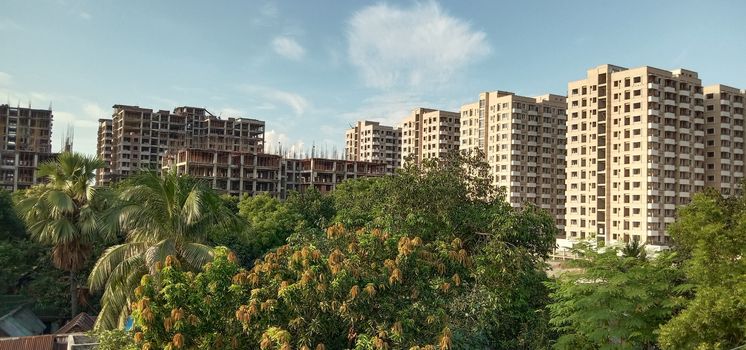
(429, 133)
(724, 148)
(523, 139)
(25, 143)
(370, 141)
(635, 151)
(140, 137)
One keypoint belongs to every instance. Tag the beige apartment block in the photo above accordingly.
(140, 137)
(429, 133)
(523, 139)
(635, 152)
(724, 117)
(372, 142)
(25, 143)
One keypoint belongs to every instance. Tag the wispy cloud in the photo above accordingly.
(5, 79)
(288, 48)
(85, 15)
(413, 46)
(276, 142)
(296, 102)
(9, 24)
(387, 108)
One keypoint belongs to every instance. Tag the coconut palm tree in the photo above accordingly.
(62, 213)
(160, 216)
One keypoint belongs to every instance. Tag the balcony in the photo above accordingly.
(737, 105)
(725, 102)
(653, 219)
(669, 219)
(669, 193)
(653, 112)
(653, 152)
(653, 99)
(668, 102)
(699, 108)
(653, 139)
(653, 86)
(654, 206)
(699, 183)
(683, 105)
(653, 179)
(652, 192)
(669, 89)
(684, 92)
(698, 95)
(653, 125)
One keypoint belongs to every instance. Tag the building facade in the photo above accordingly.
(372, 142)
(724, 119)
(25, 143)
(250, 173)
(325, 174)
(429, 133)
(635, 151)
(523, 139)
(140, 137)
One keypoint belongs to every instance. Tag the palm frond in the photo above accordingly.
(196, 255)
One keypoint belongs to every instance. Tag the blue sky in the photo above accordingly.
(310, 68)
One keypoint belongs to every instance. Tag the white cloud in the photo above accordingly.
(388, 108)
(85, 15)
(94, 111)
(412, 46)
(9, 24)
(5, 79)
(65, 118)
(288, 48)
(228, 112)
(296, 102)
(276, 142)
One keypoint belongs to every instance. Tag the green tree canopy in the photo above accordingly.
(711, 233)
(614, 301)
(168, 215)
(406, 273)
(64, 214)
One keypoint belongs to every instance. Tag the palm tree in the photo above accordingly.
(161, 216)
(61, 213)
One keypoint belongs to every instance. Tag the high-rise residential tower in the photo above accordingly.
(25, 142)
(429, 133)
(635, 151)
(370, 141)
(523, 139)
(724, 148)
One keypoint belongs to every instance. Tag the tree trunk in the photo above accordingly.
(73, 296)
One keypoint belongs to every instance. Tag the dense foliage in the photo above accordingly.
(63, 213)
(160, 215)
(711, 234)
(616, 301)
(435, 259)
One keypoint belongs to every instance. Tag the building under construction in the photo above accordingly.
(25, 143)
(252, 173)
(138, 138)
